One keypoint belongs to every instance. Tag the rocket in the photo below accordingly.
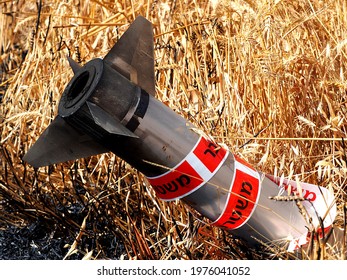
(109, 106)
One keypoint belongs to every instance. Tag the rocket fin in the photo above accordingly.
(133, 55)
(107, 122)
(60, 142)
(74, 65)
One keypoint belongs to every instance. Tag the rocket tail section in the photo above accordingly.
(71, 135)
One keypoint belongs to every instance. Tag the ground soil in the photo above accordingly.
(33, 242)
(38, 241)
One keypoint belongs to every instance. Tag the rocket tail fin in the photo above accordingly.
(74, 65)
(107, 122)
(133, 55)
(60, 142)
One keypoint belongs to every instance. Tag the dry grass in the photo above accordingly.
(266, 78)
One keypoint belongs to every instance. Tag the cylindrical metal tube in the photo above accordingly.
(178, 162)
(106, 107)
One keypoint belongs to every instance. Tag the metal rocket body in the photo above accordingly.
(109, 105)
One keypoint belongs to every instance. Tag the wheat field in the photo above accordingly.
(265, 78)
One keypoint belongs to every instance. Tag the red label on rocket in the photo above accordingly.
(197, 168)
(243, 196)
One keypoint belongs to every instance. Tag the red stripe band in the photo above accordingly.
(242, 198)
(197, 168)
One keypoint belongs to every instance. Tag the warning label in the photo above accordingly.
(197, 168)
(318, 201)
(243, 196)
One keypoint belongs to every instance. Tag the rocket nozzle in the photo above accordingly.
(80, 88)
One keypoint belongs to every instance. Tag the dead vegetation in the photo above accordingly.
(266, 78)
